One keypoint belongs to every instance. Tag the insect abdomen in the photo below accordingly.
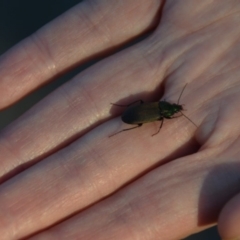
(143, 113)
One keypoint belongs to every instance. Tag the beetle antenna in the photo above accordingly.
(189, 119)
(181, 93)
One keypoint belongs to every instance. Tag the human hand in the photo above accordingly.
(173, 184)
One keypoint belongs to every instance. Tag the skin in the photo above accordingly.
(63, 178)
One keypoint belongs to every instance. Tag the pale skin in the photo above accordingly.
(64, 178)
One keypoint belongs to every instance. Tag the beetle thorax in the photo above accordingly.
(169, 109)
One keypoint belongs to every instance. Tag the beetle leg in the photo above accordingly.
(119, 105)
(126, 129)
(162, 119)
(185, 117)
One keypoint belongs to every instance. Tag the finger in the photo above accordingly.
(81, 174)
(228, 223)
(173, 201)
(90, 28)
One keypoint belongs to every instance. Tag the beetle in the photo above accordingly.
(147, 112)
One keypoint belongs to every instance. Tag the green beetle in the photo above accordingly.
(147, 112)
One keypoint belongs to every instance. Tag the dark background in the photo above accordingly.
(18, 19)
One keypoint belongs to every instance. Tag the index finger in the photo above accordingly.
(90, 28)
